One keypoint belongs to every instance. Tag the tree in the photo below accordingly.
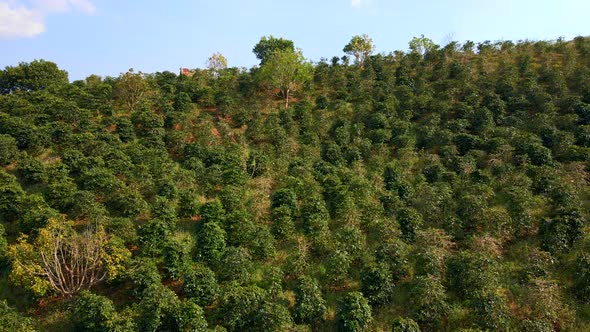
(354, 313)
(269, 45)
(361, 47)
(287, 71)
(216, 63)
(31, 76)
(130, 89)
(64, 260)
(421, 45)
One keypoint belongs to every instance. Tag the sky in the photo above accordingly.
(108, 37)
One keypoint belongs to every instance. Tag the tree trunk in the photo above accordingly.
(287, 98)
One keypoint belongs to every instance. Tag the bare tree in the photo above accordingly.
(67, 260)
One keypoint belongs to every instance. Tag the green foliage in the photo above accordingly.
(235, 264)
(560, 233)
(267, 46)
(404, 325)
(210, 242)
(377, 284)
(12, 320)
(429, 306)
(31, 76)
(409, 222)
(360, 47)
(94, 313)
(161, 310)
(470, 273)
(582, 278)
(400, 176)
(200, 285)
(310, 305)
(8, 149)
(286, 70)
(239, 306)
(354, 313)
(490, 311)
(177, 257)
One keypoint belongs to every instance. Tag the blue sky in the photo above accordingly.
(107, 37)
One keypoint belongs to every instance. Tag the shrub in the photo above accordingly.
(354, 313)
(200, 285)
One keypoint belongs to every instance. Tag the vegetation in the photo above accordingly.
(442, 188)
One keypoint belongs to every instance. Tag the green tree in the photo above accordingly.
(269, 45)
(361, 47)
(421, 45)
(216, 63)
(32, 76)
(377, 284)
(239, 305)
(287, 71)
(131, 89)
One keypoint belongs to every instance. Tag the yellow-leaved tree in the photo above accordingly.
(64, 260)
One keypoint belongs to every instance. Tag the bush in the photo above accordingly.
(31, 170)
(200, 285)
(273, 317)
(93, 313)
(354, 313)
(8, 149)
(409, 222)
(177, 257)
(11, 320)
(310, 306)
(239, 306)
(236, 264)
(582, 278)
(210, 242)
(429, 306)
(558, 234)
(490, 311)
(404, 325)
(377, 284)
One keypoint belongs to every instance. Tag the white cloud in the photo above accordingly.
(18, 20)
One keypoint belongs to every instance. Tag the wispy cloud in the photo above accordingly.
(25, 20)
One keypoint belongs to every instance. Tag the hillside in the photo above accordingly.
(442, 188)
